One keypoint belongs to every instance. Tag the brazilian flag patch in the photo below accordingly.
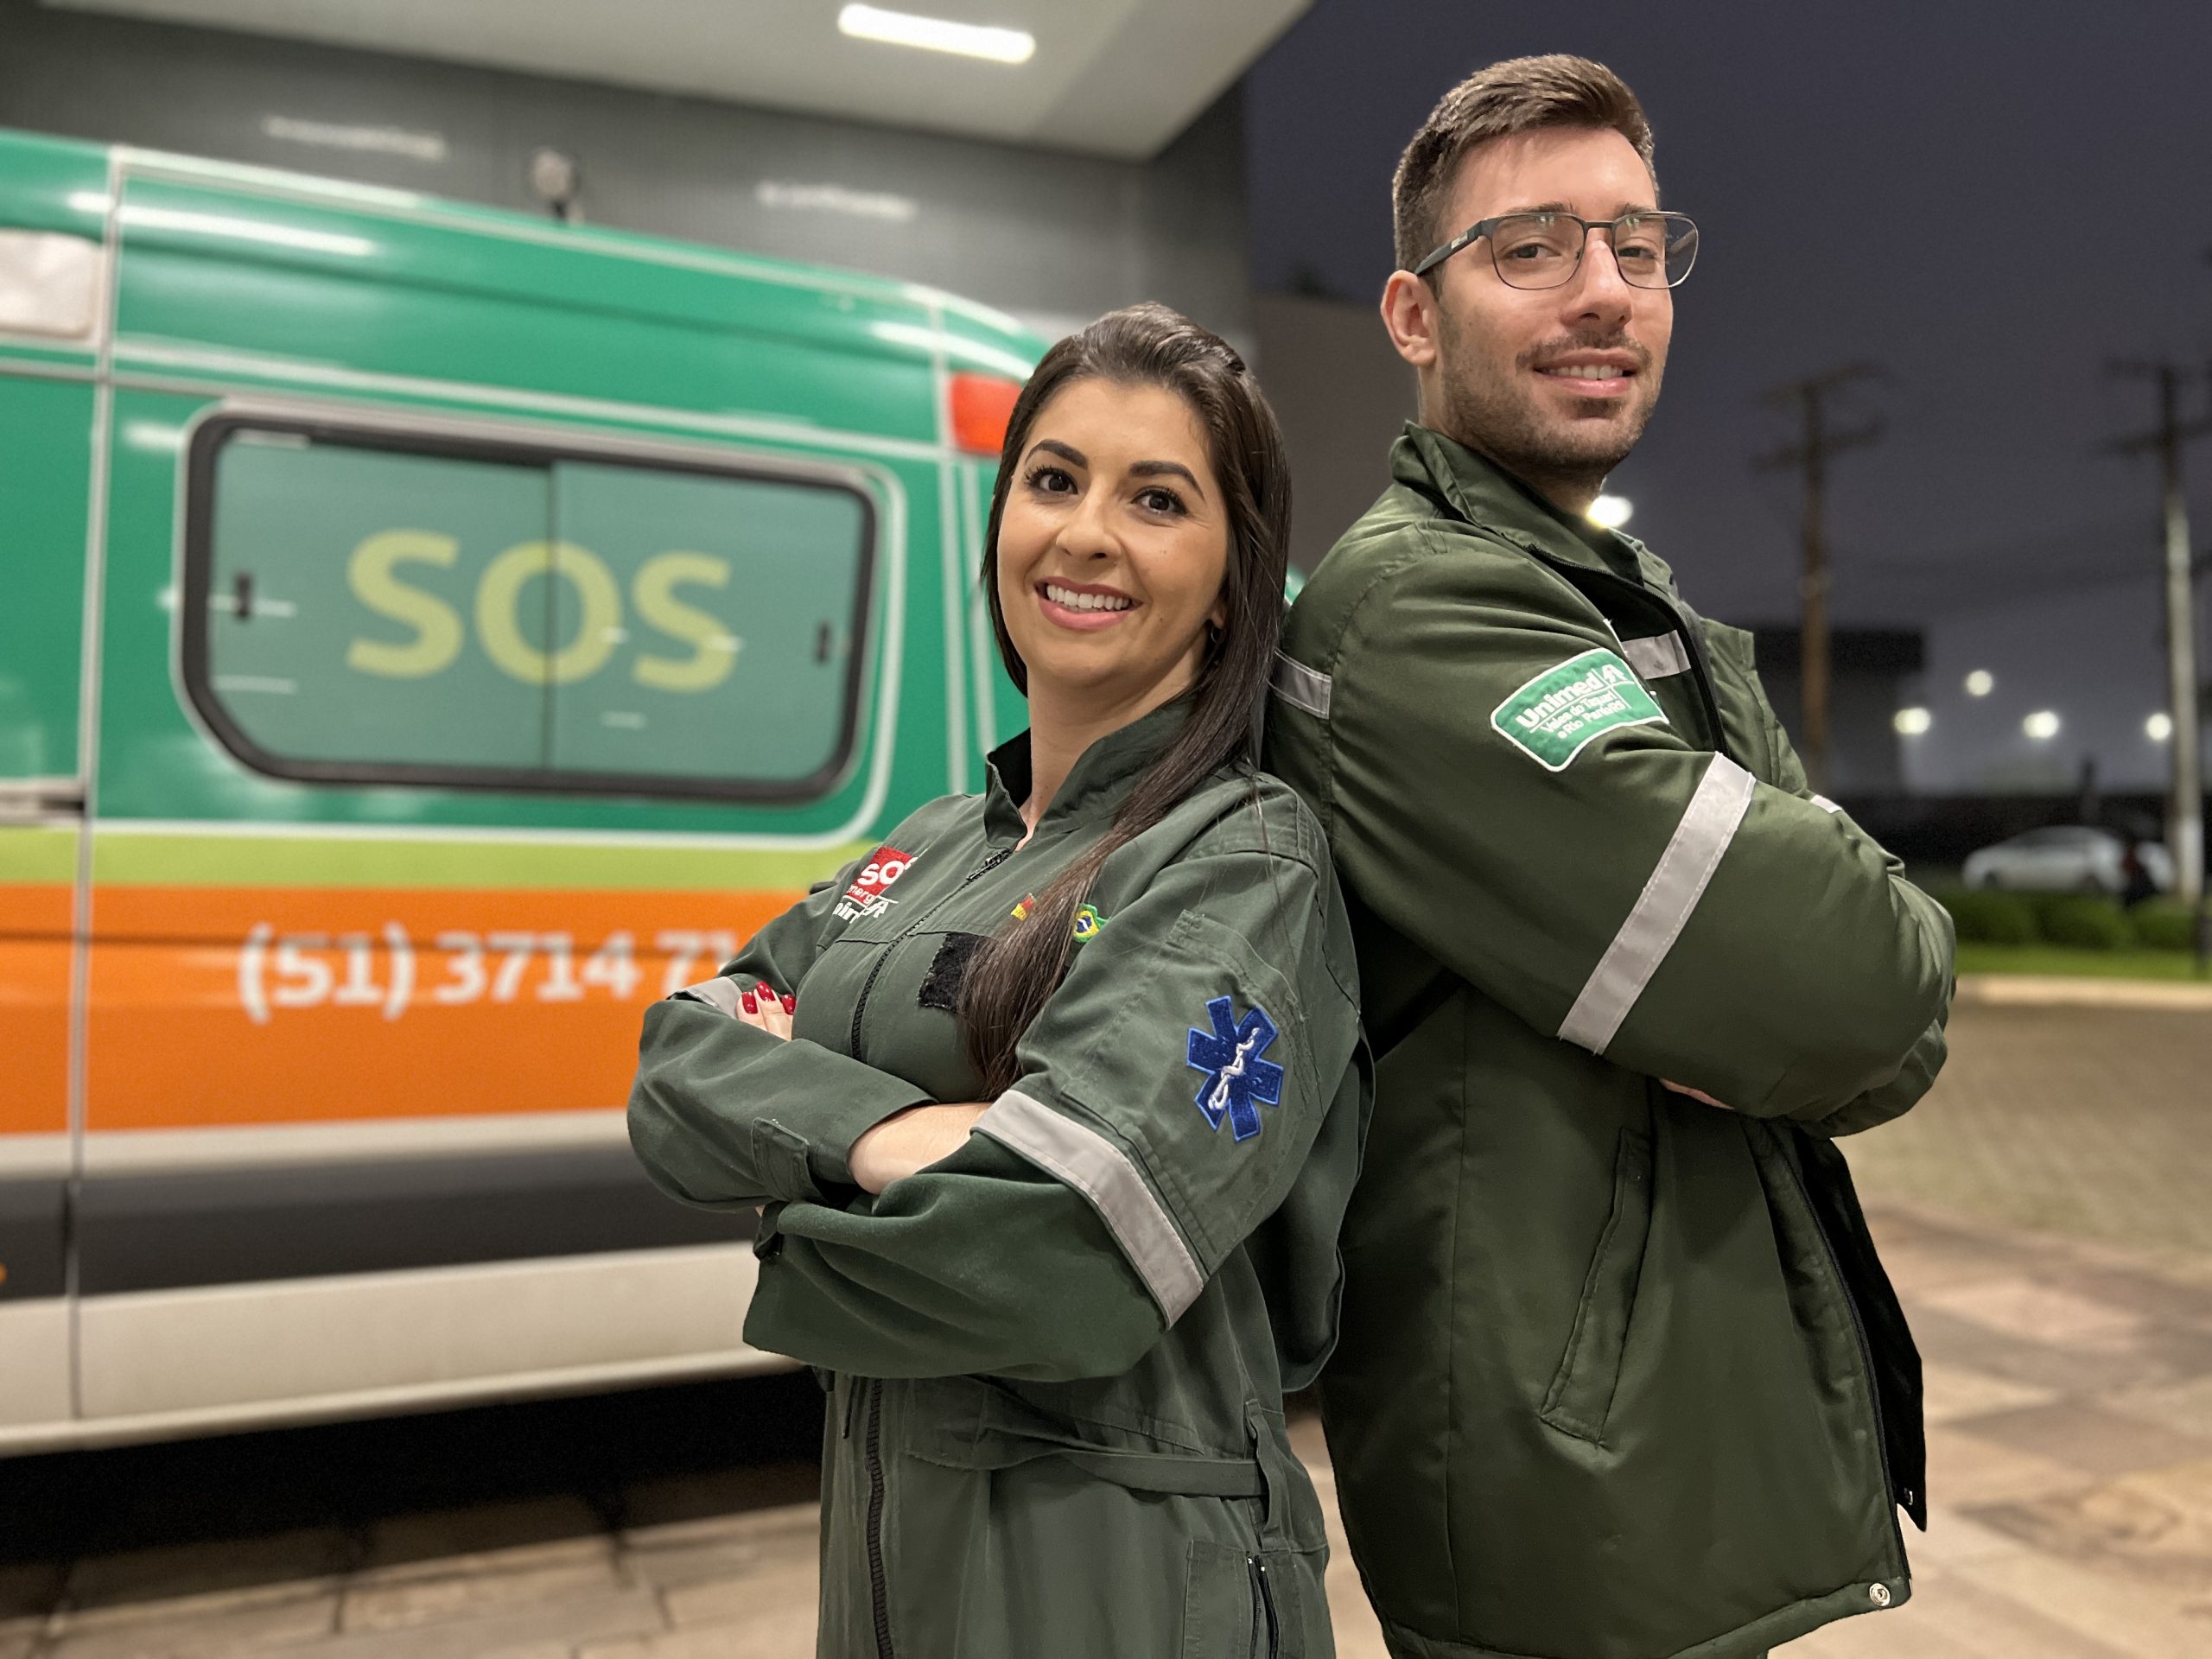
(1565, 710)
(1088, 921)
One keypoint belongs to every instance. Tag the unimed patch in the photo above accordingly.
(1564, 710)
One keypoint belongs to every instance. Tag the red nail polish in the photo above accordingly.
(749, 1002)
(790, 1004)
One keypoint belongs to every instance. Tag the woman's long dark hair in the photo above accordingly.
(1019, 967)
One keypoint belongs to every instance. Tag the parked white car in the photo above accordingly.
(2068, 858)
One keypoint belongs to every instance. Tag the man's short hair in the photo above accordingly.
(1519, 95)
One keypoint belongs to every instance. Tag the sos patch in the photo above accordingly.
(866, 895)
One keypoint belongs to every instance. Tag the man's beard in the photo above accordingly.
(1498, 416)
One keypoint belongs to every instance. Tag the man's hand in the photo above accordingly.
(1699, 1094)
(910, 1140)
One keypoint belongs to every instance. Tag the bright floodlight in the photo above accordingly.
(1911, 723)
(1980, 683)
(1611, 511)
(936, 34)
(2159, 728)
(2042, 724)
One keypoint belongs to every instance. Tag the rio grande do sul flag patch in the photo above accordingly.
(1565, 710)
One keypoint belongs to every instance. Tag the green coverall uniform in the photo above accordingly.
(1621, 1375)
(1057, 1357)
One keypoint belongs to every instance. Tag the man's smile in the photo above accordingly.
(1592, 373)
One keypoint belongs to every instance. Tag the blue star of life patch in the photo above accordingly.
(1238, 1081)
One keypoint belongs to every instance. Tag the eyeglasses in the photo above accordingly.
(1545, 250)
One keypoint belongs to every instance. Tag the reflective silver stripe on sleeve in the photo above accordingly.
(718, 992)
(1825, 804)
(1656, 657)
(1102, 1172)
(1301, 687)
(1708, 824)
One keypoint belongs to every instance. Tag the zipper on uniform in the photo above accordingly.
(1865, 1350)
(1263, 1610)
(868, 985)
(879, 1587)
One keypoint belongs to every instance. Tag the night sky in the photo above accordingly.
(1989, 200)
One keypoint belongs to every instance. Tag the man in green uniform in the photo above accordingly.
(1621, 1375)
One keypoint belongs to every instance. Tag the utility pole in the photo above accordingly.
(1819, 439)
(2185, 825)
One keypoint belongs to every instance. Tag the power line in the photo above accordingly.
(1935, 578)
(1819, 439)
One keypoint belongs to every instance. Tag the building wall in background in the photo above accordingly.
(1872, 672)
(1053, 238)
(1341, 393)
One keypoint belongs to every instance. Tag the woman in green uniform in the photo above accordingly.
(1054, 1100)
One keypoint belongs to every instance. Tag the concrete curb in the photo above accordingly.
(2059, 990)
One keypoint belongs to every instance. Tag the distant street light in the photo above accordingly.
(1611, 511)
(1911, 723)
(2159, 728)
(2041, 725)
(1980, 683)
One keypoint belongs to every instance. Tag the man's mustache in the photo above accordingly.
(1550, 352)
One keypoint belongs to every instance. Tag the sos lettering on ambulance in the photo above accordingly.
(372, 574)
(866, 897)
(392, 973)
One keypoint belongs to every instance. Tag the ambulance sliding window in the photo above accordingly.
(378, 608)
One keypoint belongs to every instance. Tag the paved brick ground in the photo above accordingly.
(2044, 1216)
(2078, 1119)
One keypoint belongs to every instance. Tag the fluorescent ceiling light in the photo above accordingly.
(936, 34)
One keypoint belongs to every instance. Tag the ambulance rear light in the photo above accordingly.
(981, 405)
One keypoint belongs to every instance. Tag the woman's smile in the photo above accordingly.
(1086, 606)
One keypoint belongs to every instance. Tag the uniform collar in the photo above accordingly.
(1095, 789)
(1483, 493)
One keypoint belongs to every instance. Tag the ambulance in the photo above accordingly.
(429, 634)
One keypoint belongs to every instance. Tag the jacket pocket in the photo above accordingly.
(1581, 1393)
(1250, 1604)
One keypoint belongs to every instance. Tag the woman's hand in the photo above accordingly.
(910, 1140)
(761, 1006)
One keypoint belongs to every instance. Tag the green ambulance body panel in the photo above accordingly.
(427, 630)
(527, 383)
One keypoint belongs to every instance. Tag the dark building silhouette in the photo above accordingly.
(1869, 669)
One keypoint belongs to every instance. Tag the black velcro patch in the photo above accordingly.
(941, 985)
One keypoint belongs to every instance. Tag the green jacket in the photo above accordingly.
(1621, 1375)
(1058, 1355)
